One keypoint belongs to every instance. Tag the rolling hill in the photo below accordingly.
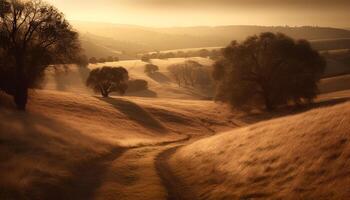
(138, 39)
(59, 143)
(296, 157)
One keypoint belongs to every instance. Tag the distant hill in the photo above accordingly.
(137, 39)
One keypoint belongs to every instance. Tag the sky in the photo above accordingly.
(165, 13)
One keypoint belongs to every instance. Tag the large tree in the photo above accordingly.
(270, 70)
(33, 36)
(108, 79)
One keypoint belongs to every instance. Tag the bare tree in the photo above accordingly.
(187, 73)
(33, 36)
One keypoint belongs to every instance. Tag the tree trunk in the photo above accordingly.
(21, 95)
(268, 104)
(21, 87)
(105, 94)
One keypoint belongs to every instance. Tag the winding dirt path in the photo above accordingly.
(127, 168)
(176, 188)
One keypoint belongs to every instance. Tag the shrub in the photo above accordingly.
(137, 85)
(145, 58)
(151, 68)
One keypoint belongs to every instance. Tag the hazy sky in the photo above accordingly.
(334, 13)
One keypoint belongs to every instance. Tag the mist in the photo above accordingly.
(161, 13)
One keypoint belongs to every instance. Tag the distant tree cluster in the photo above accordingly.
(108, 79)
(94, 60)
(191, 73)
(33, 36)
(268, 70)
(151, 69)
(212, 54)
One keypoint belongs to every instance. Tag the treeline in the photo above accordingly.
(204, 53)
(94, 60)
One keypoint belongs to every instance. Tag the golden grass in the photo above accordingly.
(60, 131)
(305, 156)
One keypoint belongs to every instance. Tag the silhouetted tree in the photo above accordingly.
(108, 79)
(151, 68)
(269, 69)
(33, 35)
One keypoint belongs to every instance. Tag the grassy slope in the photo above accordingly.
(297, 157)
(334, 84)
(60, 130)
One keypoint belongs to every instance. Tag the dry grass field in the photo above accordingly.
(62, 131)
(305, 156)
(72, 144)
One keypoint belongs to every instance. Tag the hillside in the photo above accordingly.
(138, 39)
(334, 84)
(162, 84)
(296, 157)
(61, 132)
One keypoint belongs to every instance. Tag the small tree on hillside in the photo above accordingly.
(108, 79)
(33, 36)
(151, 68)
(269, 69)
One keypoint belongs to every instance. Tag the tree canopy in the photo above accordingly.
(270, 70)
(108, 79)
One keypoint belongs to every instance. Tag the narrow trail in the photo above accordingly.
(89, 176)
(176, 188)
